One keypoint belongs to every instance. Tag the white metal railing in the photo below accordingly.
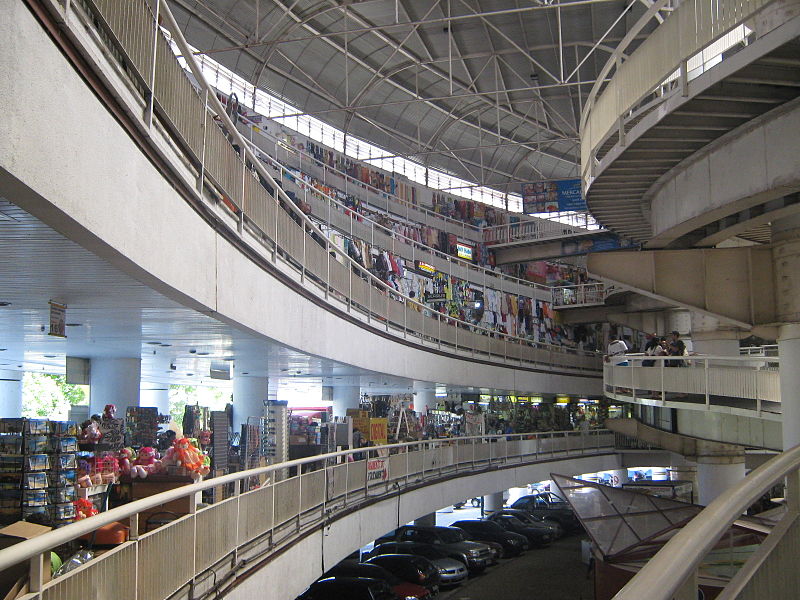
(747, 383)
(766, 350)
(269, 508)
(672, 46)
(769, 573)
(228, 168)
(540, 229)
(585, 294)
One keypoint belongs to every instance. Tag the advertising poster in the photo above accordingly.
(379, 431)
(552, 196)
(377, 470)
(598, 243)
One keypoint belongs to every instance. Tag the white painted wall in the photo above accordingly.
(88, 180)
(734, 429)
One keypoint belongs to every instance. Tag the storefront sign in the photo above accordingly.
(362, 424)
(113, 433)
(379, 431)
(377, 469)
(552, 196)
(464, 251)
(58, 319)
(424, 268)
(435, 297)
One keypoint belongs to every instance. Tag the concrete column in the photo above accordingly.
(710, 337)
(344, 397)
(249, 394)
(10, 393)
(493, 502)
(717, 474)
(155, 394)
(618, 477)
(428, 520)
(786, 263)
(114, 381)
(424, 396)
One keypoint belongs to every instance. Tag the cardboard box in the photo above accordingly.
(14, 578)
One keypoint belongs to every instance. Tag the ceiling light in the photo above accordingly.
(193, 351)
(74, 324)
(228, 359)
(5, 303)
(189, 374)
(49, 355)
(166, 345)
(153, 343)
(246, 373)
(203, 353)
(3, 349)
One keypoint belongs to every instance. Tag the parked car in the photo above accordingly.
(550, 506)
(403, 589)
(537, 536)
(475, 555)
(513, 544)
(530, 520)
(451, 571)
(351, 588)
(414, 569)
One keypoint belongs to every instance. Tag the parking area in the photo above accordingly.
(553, 573)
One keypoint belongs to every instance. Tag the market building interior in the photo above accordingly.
(300, 287)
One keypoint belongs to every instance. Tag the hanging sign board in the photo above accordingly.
(58, 319)
(379, 431)
(464, 251)
(113, 433)
(377, 469)
(552, 196)
(424, 268)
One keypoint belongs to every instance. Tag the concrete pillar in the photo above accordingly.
(249, 394)
(424, 396)
(717, 474)
(493, 502)
(10, 393)
(428, 520)
(114, 381)
(786, 264)
(344, 397)
(710, 337)
(155, 394)
(619, 477)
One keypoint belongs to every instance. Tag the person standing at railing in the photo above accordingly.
(653, 343)
(676, 347)
(616, 351)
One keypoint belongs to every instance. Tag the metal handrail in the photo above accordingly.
(33, 548)
(737, 358)
(221, 114)
(668, 571)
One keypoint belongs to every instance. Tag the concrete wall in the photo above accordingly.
(87, 179)
(752, 164)
(308, 559)
(734, 429)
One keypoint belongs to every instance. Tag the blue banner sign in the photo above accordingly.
(552, 196)
(599, 243)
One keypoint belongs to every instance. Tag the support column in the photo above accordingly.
(717, 474)
(619, 477)
(114, 381)
(344, 397)
(424, 396)
(786, 262)
(428, 520)
(155, 394)
(249, 394)
(10, 393)
(710, 337)
(493, 502)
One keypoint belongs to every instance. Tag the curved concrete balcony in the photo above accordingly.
(271, 531)
(706, 71)
(738, 385)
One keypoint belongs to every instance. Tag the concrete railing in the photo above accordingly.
(227, 168)
(674, 46)
(726, 383)
(771, 571)
(585, 294)
(266, 509)
(540, 229)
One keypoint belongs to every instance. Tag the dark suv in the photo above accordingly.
(549, 506)
(452, 541)
(485, 531)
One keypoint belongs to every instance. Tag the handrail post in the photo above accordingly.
(708, 395)
(133, 527)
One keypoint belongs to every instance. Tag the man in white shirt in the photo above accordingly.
(616, 351)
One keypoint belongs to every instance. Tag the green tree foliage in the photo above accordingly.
(45, 395)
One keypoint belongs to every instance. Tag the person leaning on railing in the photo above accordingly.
(616, 351)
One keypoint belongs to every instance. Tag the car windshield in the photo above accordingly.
(450, 536)
(553, 499)
(513, 521)
(428, 552)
